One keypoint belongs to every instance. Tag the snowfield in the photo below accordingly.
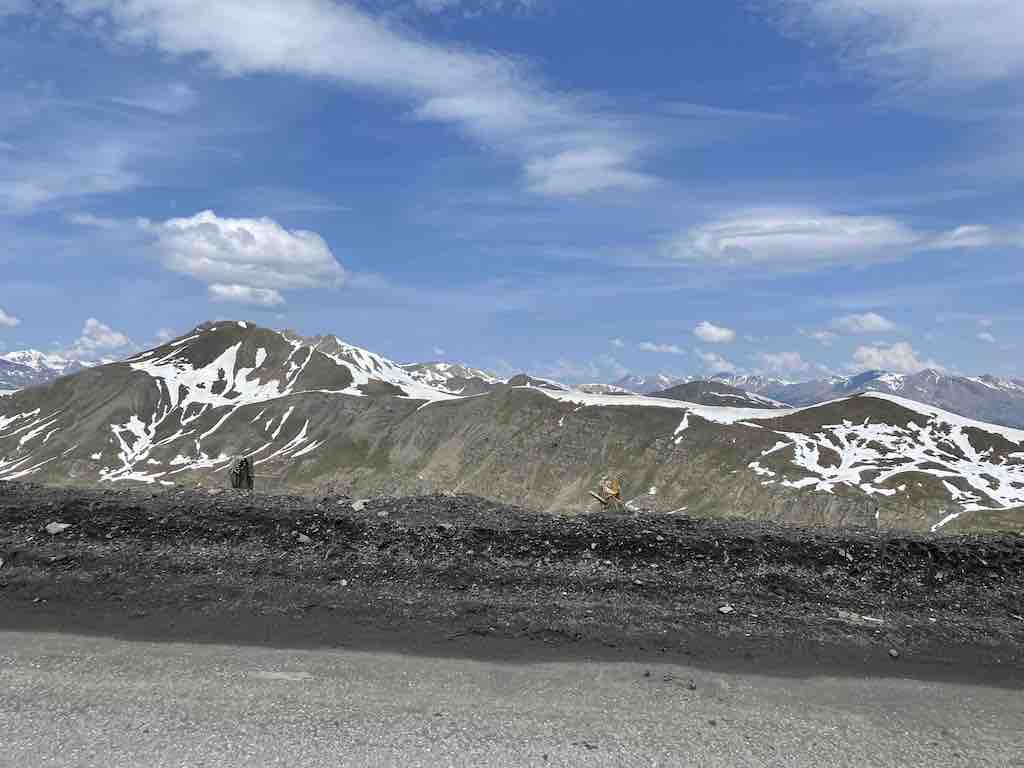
(871, 456)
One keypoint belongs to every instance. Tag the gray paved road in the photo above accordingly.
(74, 701)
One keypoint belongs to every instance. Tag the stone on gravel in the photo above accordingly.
(359, 506)
(726, 609)
(303, 539)
(57, 528)
(894, 653)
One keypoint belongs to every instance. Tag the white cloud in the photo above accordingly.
(986, 337)
(438, 351)
(617, 343)
(7, 320)
(436, 6)
(665, 349)
(245, 260)
(794, 239)
(965, 237)
(714, 334)
(783, 362)
(869, 322)
(825, 338)
(715, 363)
(96, 222)
(899, 358)
(97, 338)
(578, 172)
(245, 294)
(90, 168)
(473, 7)
(947, 41)
(164, 335)
(567, 145)
(799, 239)
(166, 99)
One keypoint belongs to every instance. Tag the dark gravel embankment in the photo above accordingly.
(456, 575)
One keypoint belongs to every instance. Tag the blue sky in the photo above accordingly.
(580, 189)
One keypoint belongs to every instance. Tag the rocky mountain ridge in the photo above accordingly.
(318, 412)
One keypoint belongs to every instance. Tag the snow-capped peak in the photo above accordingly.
(36, 360)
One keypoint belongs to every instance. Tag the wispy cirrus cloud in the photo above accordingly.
(804, 239)
(470, 8)
(945, 42)
(663, 349)
(164, 98)
(568, 144)
(28, 182)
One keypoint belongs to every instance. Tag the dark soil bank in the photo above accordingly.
(460, 575)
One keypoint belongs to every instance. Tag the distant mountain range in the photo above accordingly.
(319, 413)
(985, 398)
(30, 367)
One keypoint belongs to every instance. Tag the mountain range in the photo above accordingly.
(319, 414)
(985, 398)
(30, 368)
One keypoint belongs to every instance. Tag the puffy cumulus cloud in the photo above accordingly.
(567, 143)
(714, 334)
(783, 363)
(97, 339)
(899, 358)
(664, 349)
(986, 337)
(715, 363)
(245, 294)
(794, 239)
(869, 322)
(8, 320)
(245, 260)
(952, 41)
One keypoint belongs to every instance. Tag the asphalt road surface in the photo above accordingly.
(68, 700)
